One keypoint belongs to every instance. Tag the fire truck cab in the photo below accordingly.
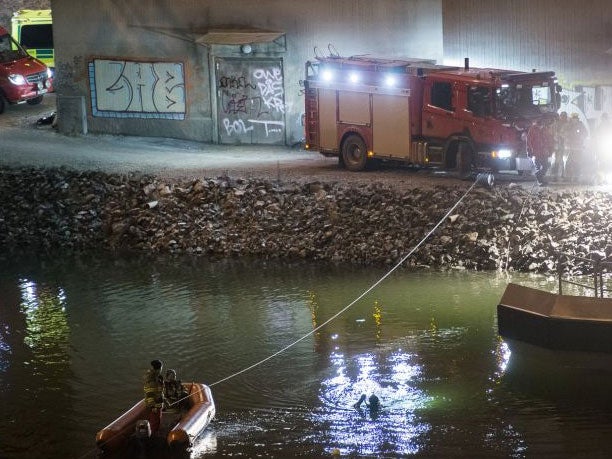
(415, 112)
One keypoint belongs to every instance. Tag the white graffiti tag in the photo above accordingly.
(270, 126)
(270, 84)
(138, 89)
(236, 127)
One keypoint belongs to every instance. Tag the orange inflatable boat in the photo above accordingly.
(186, 424)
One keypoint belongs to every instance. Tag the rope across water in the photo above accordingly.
(348, 306)
(363, 294)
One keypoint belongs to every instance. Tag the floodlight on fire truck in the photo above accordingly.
(327, 75)
(354, 77)
(390, 81)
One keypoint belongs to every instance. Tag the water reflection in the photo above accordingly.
(47, 331)
(35, 364)
(71, 358)
(392, 377)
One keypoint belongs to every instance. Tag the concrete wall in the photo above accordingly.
(93, 37)
(8, 7)
(570, 37)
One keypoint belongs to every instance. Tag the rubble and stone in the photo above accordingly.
(48, 211)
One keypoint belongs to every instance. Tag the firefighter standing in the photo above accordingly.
(154, 394)
(539, 148)
(576, 137)
(559, 130)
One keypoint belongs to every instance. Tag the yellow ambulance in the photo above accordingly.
(33, 30)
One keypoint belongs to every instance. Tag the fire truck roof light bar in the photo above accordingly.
(354, 87)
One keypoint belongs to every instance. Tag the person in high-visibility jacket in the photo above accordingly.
(539, 148)
(154, 394)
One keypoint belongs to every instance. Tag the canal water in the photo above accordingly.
(76, 336)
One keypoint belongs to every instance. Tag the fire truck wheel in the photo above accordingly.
(354, 153)
(464, 160)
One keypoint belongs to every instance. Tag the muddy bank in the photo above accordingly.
(63, 210)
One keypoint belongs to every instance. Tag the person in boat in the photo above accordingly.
(174, 392)
(154, 394)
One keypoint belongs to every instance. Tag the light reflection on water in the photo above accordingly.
(76, 336)
(391, 377)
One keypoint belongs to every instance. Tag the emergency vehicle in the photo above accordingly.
(33, 29)
(364, 109)
(23, 78)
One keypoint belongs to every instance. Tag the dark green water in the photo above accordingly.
(77, 335)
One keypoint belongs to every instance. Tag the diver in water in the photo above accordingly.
(373, 403)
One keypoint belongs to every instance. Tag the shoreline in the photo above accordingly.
(61, 210)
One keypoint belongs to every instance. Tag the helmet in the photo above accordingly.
(171, 375)
(156, 364)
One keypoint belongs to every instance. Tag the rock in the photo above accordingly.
(148, 189)
(60, 210)
(472, 236)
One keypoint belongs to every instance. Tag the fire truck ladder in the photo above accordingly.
(312, 126)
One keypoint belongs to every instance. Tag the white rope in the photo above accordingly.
(341, 311)
(527, 199)
(368, 290)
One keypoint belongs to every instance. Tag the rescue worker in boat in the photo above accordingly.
(174, 393)
(154, 394)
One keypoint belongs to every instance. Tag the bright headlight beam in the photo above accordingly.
(504, 153)
(390, 81)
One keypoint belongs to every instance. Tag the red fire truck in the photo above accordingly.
(364, 109)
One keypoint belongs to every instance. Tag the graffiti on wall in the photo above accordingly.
(251, 102)
(588, 102)
(128, 89)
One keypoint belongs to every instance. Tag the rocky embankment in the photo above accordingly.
(507, 227)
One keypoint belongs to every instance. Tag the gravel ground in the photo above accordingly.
(24, 143)
(395, 205)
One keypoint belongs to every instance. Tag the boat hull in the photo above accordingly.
(562, 322)
(200, 411)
